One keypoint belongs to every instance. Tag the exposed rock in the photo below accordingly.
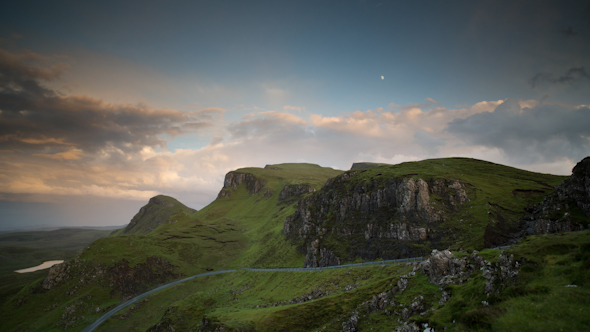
(132, 281)
(411, 327)
(295, 190)
(553, 214)
(379, 302)
(505, 270)
(351, 325)
(234, 179)
(577, 186)
(444, 298)
(314, 294)
(78, 269)
(389, 214)
(442, 268)
(122, 278)
(402, 284)
(416, 306)
(326, 257)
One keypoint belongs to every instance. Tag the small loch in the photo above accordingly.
(43, 266)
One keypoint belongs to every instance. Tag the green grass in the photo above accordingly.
(21, 250)
(245, 230)
(166, 209)
(539, 300)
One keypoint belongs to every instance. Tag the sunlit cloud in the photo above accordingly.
(79, 145)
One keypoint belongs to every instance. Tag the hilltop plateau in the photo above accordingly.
(450, 211)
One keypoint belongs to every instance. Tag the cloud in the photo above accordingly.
(262, 124)
(294, 108)
(571, 76)
(544, 133)
(68, 155)
(34, 117)
(54, 144)
(569, 32)
(428, 142)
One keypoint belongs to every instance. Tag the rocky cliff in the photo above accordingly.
(157, 211)
(234, 179)
(374, 218)
(565, 209)
(294, 191)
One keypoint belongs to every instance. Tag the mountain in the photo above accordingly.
(451, 211)
(406, 210)
(157, 211)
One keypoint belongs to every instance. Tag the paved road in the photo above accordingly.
(121, 306)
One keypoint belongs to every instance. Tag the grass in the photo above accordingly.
(245, 230)
(540, 299)
(165, 209)
(21, 250)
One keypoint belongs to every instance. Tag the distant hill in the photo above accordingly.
(157, 211)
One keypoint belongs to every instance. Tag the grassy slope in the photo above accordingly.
(144, 224)
(496, 191)
(538, 301)
(241, 230)
(21, 250)
(204, 240)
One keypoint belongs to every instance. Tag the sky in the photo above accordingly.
(104, 104)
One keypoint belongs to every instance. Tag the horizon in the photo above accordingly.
(103, 108)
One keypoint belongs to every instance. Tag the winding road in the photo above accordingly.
(127, 303)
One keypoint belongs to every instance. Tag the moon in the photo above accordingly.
(382, 77)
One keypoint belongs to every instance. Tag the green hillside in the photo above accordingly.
(244, 227)
(551, 291)
(20, 250)
(156, 212)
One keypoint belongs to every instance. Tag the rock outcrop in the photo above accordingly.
(562, 210)
(442, 269)
(234, 179)
(292, 191)
(376, 218)
(121, 278)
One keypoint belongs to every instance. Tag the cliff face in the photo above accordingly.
(234, 179)
(293, 191)
(563, 210)
(377, 218)
(157, 211)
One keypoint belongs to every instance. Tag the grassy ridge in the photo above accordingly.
(158, 211)
(498, 194)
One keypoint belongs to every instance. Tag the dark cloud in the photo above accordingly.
(569, 32)
(572, 75)
(39, 119)
(540, 134)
